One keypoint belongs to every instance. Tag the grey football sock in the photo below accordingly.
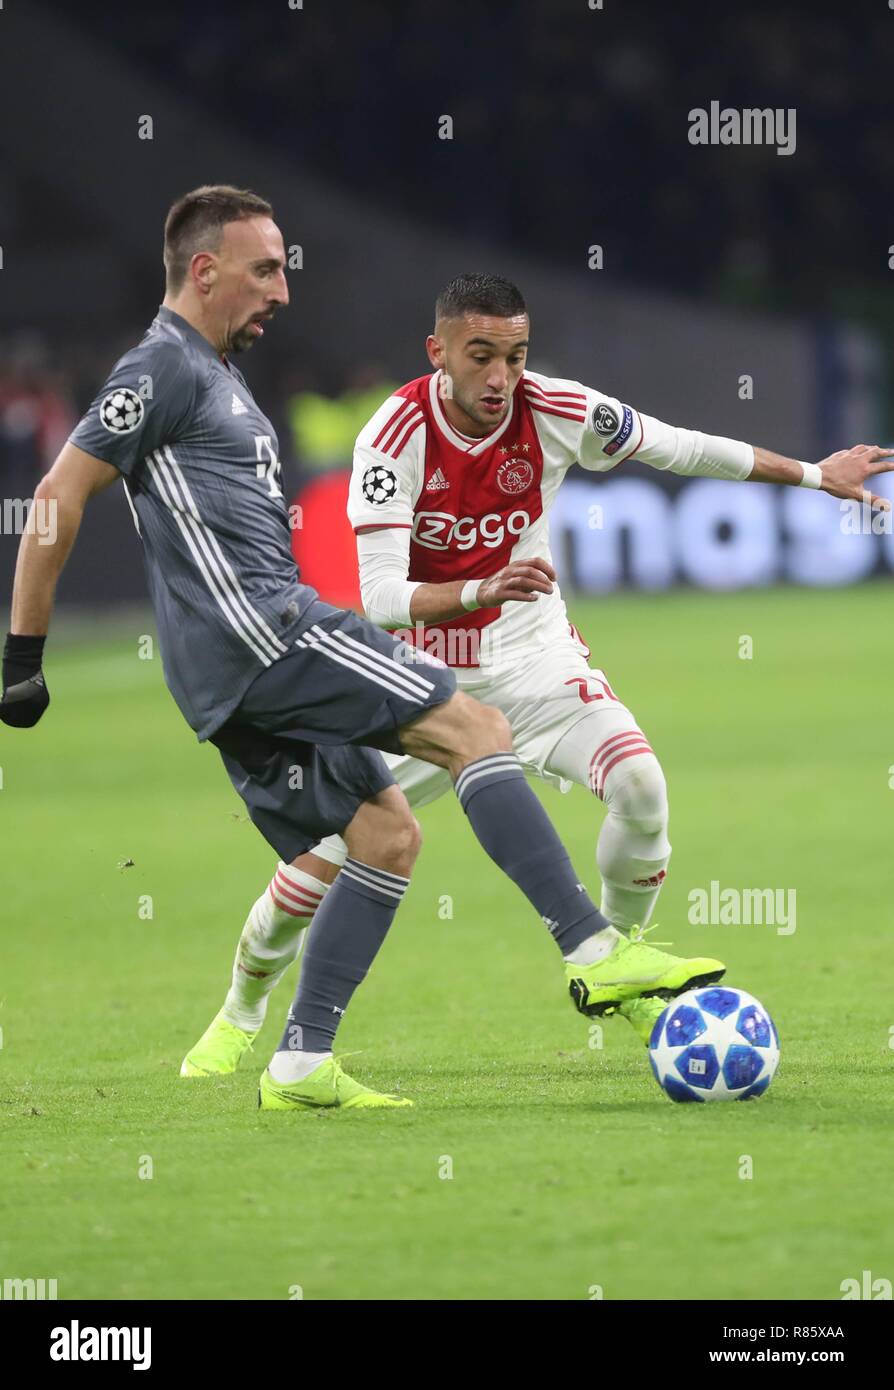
(348, 929)
(516, 832)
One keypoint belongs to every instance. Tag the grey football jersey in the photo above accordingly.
(200, 465)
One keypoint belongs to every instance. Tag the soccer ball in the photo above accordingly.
(714, 1044)
(121, 410)
(379, 485)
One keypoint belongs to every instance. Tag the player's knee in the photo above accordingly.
(487, 729)
(640, 796)
(385, 834)
(403, 841)
(412, 840)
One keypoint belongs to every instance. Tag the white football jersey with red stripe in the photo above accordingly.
(472, 505)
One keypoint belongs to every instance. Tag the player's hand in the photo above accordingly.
(25, 694)
(518, 582)
(845, 473)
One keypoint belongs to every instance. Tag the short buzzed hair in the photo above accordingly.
(196, 222)
(480, 294)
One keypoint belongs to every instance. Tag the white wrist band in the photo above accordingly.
(469, 596)
(813, 475)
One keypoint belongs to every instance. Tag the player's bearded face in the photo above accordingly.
(252, 283)
(482, 359)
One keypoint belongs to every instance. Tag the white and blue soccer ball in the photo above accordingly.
(714, 1044)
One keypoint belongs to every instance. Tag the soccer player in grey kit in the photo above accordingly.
(274, 677)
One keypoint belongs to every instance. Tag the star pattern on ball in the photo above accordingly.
(121, 410)
(379, 484)
(714, 1044)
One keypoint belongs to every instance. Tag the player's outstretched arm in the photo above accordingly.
(843, 474)
(61, 497)
(615, 433)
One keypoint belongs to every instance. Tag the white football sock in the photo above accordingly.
(633, 850)
(286, 1067)
(596, 947)
(271, 939)
(611, 755)
(633, 867)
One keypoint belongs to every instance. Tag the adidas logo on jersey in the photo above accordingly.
(436, 482)
(239, 407)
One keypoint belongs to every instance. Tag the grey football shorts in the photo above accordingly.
(300, 747)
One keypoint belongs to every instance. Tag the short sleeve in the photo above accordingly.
(385, 484)
(612, 432)
(147, 401)
(587, 427)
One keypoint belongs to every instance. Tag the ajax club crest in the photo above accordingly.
(515, 475)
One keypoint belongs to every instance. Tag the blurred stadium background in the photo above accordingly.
(569, 131)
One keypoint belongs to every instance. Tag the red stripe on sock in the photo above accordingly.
(297, 889)
(297, 898)
(616, 740)
(630, 753)
(308, 906)
(604, 754)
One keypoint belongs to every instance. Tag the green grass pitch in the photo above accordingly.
(570, 1170)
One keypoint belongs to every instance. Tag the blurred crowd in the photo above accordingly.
(570, 122)
(37, 413)
(44, 389)
(569, 127)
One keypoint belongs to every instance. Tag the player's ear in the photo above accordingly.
(434, 346)
(203, 269)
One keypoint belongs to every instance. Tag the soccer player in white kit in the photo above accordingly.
(452, 485)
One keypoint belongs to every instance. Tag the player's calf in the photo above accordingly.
(271, 940)
(474, 742)
(633, 850)
(383, 839)
(607, 752)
